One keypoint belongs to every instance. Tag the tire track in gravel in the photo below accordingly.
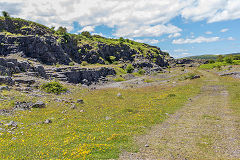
(205, 128)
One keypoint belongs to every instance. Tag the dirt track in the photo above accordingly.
(205, 128)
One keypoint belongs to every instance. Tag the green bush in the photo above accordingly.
(86, 34)
(5, 14)
(119, 79)
(61, 30)
(84, 63)
(121, 40)
(57, 64)
(211, 61)
(71, 64)
(129, 68)
(53, 87)
(148, 80)
(111, 59)
(228, 59)
(220, 58)
(141, 71)
(120, 71)
(171, 95)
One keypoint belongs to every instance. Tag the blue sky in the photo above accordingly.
(180, 27)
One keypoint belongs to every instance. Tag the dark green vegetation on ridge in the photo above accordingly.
(212, 57)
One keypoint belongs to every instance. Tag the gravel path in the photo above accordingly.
(205, 128)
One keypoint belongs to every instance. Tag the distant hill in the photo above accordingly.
(209, 56)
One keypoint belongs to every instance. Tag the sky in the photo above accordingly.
(180, 27)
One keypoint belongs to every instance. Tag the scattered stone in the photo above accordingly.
(4, 111)
(47, 121)
(12, 124)
(73, 106)
(195, 77)
(65, 111)
(119, 95)
(6, 80)
(58, 100)
(108, 118)
(80, 101)
(14, 138)
(39, 104)
(13, 128)
(23, 106)
(25, 81)
(4, 88)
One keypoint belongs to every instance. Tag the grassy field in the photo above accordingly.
(98, 129)
(218, 64)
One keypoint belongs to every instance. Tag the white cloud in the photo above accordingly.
(208, 32)
(230, 38)
(146, 31)
(230, 11)
(151, 41)
(224, 30)
(212, 11)
(87, 28)
(196, 40)
(180, 50)
(129, 18)
(174, 35)
(186, 54)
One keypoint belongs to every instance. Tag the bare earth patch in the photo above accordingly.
(205, 128)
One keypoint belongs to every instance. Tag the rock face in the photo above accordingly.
(36, 41)
(45, 49)
(81, 75)
(49, 50)
(12, 66)
(6, 80)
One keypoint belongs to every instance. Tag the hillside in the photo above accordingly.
(210, 56)
(50, 46)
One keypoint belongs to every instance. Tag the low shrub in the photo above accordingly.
(119, 79)
(71, 64)
(129, 68)
(171, 95)
(84, 63)
(120, 71)
(141, 71)
(53, 87)
(148, 80)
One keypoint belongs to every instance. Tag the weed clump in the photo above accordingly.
(84, 63)
(119, 79)
(53, 87)
(129, 68)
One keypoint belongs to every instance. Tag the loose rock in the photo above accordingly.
(47, 121)
(39, 104)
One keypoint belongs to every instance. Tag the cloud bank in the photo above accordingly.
(129, 18)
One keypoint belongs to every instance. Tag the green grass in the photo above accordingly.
(218, 64)
(119, 79)
(98, 129)
(148, 80)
